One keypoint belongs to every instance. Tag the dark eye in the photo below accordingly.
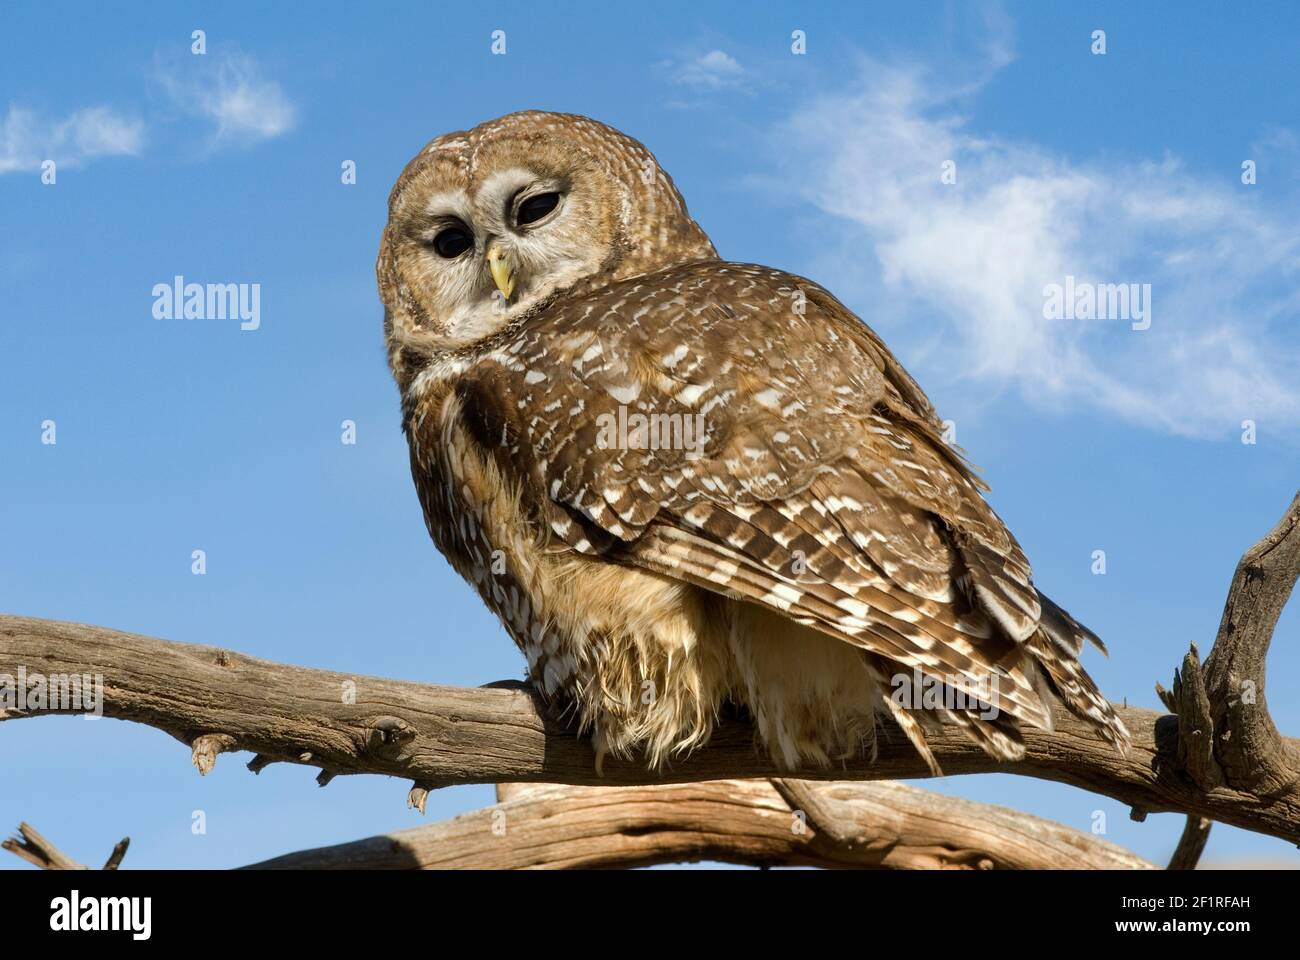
(452, 242)
(534, 208)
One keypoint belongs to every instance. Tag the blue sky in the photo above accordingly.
(179, 435)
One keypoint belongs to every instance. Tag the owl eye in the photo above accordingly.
(452, 242)
(534, 208)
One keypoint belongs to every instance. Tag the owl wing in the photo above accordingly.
(738, 428)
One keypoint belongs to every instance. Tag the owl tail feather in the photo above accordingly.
(1064, 630)
(912, 728)
(1056, 646)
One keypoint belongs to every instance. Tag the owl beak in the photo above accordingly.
(502, 275)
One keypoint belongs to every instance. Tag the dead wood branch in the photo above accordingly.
(1196, 833)
(1219, 757)
(31, 846)
(875, 825)
(218, 701)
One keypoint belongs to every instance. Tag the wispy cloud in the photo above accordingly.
(27, 138)
(712, 71)
(968, 262)
(230, 90)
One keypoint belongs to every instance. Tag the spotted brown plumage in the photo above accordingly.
(681, 481)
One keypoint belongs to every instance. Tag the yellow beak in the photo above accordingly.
(502, 275)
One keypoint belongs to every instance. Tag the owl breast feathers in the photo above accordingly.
(682, 482)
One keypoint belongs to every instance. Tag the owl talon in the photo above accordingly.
(415, 800)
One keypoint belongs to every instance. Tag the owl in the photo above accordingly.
(686, 485)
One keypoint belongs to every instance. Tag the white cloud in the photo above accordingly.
(244, 106)
(969, 262)
(229, 90)
(713, 71)
(27, 138)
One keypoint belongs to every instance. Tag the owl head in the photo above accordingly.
(486, 224)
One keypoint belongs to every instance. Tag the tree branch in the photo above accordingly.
(1196, 833)
(1247, 746)
(753, 822)
(217, 701)
(875, 825)
(31, 846)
